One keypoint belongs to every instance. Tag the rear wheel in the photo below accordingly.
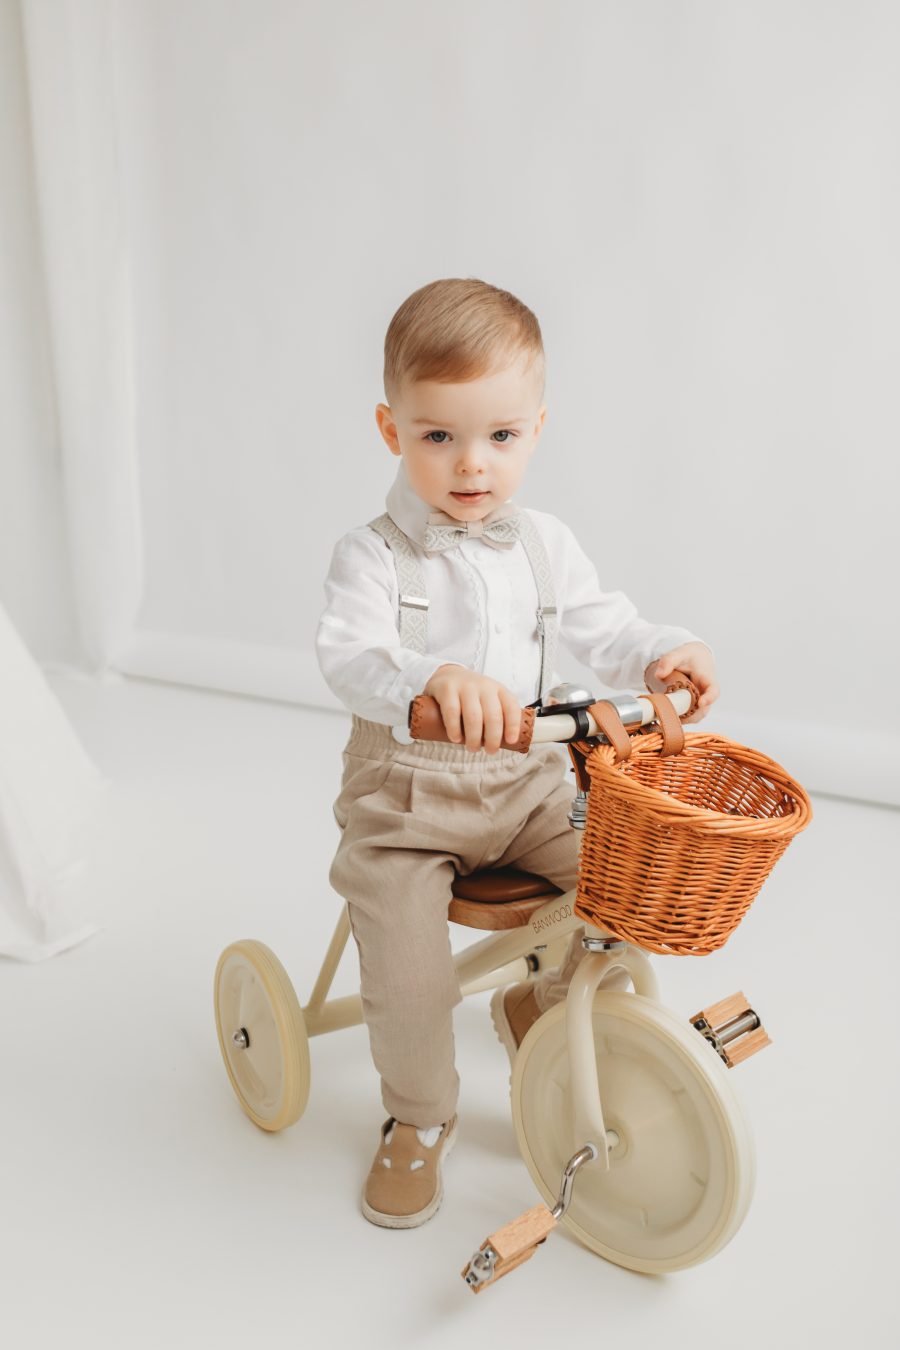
(262, 1035)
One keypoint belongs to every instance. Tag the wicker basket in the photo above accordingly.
(677, 846)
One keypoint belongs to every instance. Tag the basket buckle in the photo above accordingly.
(732, 1028)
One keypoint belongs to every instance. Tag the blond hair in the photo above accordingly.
(457, 330)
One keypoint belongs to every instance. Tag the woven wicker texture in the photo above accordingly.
(676, 848)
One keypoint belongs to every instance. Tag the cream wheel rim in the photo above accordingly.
(681, 1174)
(254, 996)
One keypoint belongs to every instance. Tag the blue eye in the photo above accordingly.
(442, 437)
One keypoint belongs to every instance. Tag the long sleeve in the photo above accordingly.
(603, 630)
(357, 641)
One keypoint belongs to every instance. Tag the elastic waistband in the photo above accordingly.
(374, 740)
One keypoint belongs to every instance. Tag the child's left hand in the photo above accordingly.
(697, 661)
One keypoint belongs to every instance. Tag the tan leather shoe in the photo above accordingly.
(405, 1187)
(513, 1010)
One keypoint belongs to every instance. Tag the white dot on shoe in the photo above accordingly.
(385, 1162)
(430, 1136)
(416, 1163)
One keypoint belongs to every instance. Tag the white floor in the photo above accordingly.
(140, 1207)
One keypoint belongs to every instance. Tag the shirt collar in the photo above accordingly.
(406, 509)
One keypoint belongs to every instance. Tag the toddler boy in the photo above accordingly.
(458, 593)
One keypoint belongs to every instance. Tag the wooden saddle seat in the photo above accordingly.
(498, 897)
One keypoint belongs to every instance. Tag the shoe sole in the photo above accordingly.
(501, 1024)
(422, 1215)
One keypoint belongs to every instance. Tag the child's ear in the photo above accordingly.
(539, 423)
(388, 428)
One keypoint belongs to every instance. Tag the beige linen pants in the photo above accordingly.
(410, 816)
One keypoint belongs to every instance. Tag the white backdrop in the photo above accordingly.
(701, 201)
(34, 581)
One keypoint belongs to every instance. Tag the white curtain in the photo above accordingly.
(700, 203)
(71, 80)
(49, 796)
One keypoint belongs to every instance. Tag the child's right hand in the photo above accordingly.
(484, 707)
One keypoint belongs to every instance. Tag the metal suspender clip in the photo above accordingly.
(549, 610)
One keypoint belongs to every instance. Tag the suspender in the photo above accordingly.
(412, 618)
(547, 617)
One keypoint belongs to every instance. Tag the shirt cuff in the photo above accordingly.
(413, 679)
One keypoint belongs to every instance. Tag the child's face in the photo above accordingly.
(479, 435)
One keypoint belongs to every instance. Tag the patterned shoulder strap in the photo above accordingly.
(412, 619)
(547, 617)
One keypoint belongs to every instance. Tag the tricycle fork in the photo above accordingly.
(604, 952)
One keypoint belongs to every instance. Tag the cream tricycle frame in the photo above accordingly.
(625, 1115)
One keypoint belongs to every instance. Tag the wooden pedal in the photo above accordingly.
(508, 1248)
(732, 1028)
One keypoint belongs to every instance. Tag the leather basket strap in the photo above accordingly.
(578, 753)
(669, 724)
(613, 728)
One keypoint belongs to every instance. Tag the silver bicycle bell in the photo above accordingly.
(567, 698)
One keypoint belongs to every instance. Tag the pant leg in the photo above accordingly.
(398, 894)
(408, 983)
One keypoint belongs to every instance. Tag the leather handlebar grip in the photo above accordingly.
(679, 680)
(427, 724)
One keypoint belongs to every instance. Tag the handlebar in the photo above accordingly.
(427, 724)
(563, 726)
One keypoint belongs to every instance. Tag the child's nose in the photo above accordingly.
(471, 457)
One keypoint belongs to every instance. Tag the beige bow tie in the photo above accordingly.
(499, 528)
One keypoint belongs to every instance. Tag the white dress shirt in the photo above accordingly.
(482, 615)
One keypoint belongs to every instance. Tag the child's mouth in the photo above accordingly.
(468, 496)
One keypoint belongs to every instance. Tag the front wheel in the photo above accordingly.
(681, 1176)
